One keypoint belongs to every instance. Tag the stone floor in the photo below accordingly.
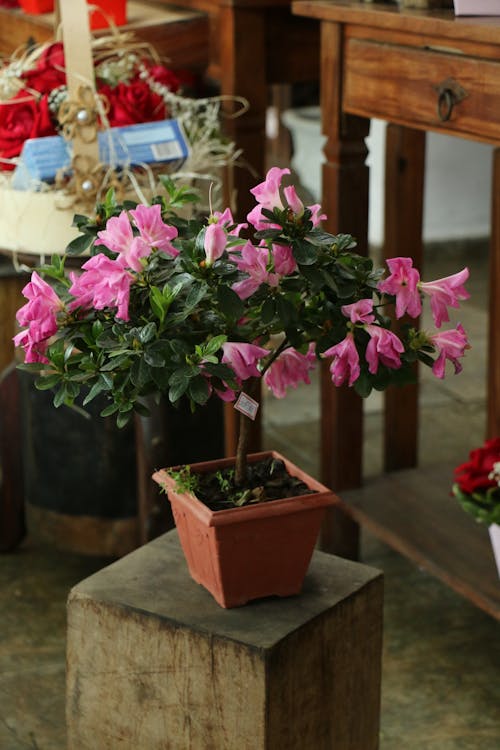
(441, 663)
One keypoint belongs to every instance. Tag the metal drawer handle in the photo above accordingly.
(449, 93)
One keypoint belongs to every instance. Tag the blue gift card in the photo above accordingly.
(145, 143)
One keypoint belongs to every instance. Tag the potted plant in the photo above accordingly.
(477, 489)
(191, 309)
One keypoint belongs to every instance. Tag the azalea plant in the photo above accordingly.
(206, 307)
(477, 483)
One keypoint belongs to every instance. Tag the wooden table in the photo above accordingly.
(178, 35)
(253, 46)
(421, 70)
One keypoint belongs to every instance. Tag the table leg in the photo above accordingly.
(404, 189)
(345, 201)
(493, 408)
(243, 73)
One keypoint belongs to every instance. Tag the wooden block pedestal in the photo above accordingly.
(154, 663)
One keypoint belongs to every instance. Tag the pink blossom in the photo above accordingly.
(450, 345)
(259, 221)
(243, 358)
(403, 284)
(104, 283)
(40, 315)
(360, 311)
(445, 293)
(317, 215)
(153, 229)
(254, 262)
(34, 345)
(284, 262)
(293, 200)
(385, 346)
(215, 242)
(268, 196)
(226, 220)
(345, 362)
(119, 238)
(267, 193)
(290, 368)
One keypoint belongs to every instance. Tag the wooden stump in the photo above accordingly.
(153, 662)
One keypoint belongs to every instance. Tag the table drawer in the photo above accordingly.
(417, 87)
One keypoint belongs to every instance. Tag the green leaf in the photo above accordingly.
(285, 311)
(268, 311)
(109, 410)
(154, 357)
(195, 295)
(199, 390)
(304, 253)
(48, 382)
(177, 390)
(230, 304)
(214, 345)
(123, 419)
(140, 373)
(147, 333)
(80, 244)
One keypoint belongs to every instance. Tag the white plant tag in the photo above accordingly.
(247, 405)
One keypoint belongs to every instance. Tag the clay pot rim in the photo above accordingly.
(322, 496)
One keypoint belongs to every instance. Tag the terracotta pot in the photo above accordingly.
(250, 552)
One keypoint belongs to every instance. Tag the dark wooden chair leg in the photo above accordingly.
(12, 526)
(404, 181)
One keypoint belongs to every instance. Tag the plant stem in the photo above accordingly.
(240, 469)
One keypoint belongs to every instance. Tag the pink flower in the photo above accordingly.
(40, 315)
(215, 242)
(359, 312)
(254, 262)
(119, 238)
(268, 196)
(226, 220)
(243, 358)
(153, 229)
(445, 293)
(317, 216)
(284, 262)
(104, 283)
(403, 284)
(267, 193)
(385, 346)
(450, 345)
(293, 200)
(345, 362)
(290, 368)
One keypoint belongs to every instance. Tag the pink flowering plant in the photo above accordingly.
(206, 307)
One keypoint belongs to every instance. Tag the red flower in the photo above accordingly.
(22, 117)
(472, 476)
(131, 103)
(166, 77)
(49, 72)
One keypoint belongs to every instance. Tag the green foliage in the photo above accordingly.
(484, 507)
(185, 480)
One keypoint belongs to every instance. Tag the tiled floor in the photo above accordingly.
(441, 668)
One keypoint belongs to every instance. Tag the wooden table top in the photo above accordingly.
(438, 22)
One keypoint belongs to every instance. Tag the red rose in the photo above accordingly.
(165, 77)
(472, 476)
(49, 72)
(21, 118)
(131, 103)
